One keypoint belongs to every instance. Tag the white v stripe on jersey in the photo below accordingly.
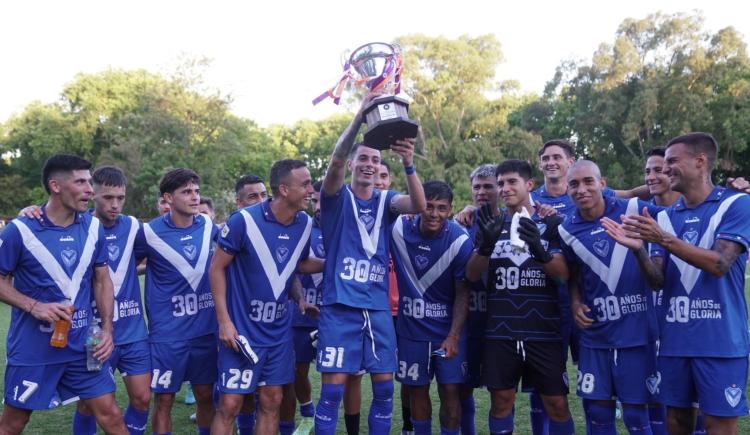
(369, 241)
(437, 269)
(689, 274)
(118, 276)
(316, 277)
(68, 286)
(193, 275)
(609, 275)
(277, 281)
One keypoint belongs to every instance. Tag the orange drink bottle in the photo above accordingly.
(61, 327)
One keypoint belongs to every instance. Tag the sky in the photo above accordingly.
(273, 58)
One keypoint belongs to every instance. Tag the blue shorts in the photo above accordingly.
(44, 387)
(353, 339)
(304, 352)
(625, 373)
(474, 358)
(417, 365)
(176, 362)
(717, 384)
(239, 375)
(132, 358)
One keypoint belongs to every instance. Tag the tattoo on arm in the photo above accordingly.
(728, 253)
(346, 141)
(651, 271)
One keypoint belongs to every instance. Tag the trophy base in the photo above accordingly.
(388, 121)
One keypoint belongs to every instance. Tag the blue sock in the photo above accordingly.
(468, 411)
(700, 427)
(83, 424)
(204, 431)
(422, 427)
(586, 403)
(135, 420)
(307, 409)
(657, 414)
(501, 425)
(537, 415)
(246, 424)
(562, 427)
(602, 419)
(446, 431)
(327, 411)
(636, 420)
(381, 408)
(286, 427)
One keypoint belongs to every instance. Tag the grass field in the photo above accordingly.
(58, 421)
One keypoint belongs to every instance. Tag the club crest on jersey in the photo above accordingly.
(601, 247)
(421, 261)
(690, 236)
(190, 251)
(113, 252)
(652, 383)
(69, 257)
(320, 251)
(282, 253)
(367, 220)
(733, 395)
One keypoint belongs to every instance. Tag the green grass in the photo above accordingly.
(58, 421)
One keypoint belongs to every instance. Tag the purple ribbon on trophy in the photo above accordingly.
(375, 65)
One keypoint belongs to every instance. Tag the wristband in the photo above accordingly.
(408, 170)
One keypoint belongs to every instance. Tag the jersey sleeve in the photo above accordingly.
(608, 192)
(100, 251)
(140, 247)
(464, 254)
(10, 249)
(392, 216)
(232, 237)
(568, 253)
(735, 225)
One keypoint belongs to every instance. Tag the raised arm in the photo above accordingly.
(653, 273)
(415, 201)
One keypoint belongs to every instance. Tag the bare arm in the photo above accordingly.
(45, 312)
(460, 312)
(476, 266)
(217, 277)
(640, 192)
(557, 269)
(311, 265)
(652, 273)
(414, 202)
(577, 306)
(104, 294)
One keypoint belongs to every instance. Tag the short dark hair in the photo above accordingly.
(356, 146)
(61, 163)
(658, 151)
(318, 185)
(520, 167)
(567, 147)
(208, 201)
(109, 176)
(177, 178)
(437, 190)
(384, 163)
(698, 142)
(280, 172)
(245, 180)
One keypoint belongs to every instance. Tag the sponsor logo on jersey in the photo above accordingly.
(692, 220)
(424, 248)
(597, 231)
(67, 239)
(111, 237)
(283, 236)
(188, 237)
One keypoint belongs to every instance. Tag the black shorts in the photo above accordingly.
(540, 364)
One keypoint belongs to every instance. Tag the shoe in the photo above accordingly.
(306, 425)
(193, 417)
(407, 432)
(189, 397)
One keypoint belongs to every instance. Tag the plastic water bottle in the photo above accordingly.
(93, 338)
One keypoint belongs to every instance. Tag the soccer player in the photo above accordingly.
(701, 241)
(430, 253)
(610, 284)
(249, 190)
(305, 326)
(523, 310)
(206, 206)
(356, 328)
(179, 305)
(47, 266)
(261, 247)
(162, 206)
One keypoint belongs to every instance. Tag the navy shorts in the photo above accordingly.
(354, 339)
(304, 352)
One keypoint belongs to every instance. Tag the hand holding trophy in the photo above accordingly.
(377, 67)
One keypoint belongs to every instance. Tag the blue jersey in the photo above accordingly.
(179, 303)
(312, 284)
(129, 325)
(266, 254)
(50, 264)
(477, 317)
(427, 269)
(356, 243)
(611, 283)
(705, 315)
(562, 203)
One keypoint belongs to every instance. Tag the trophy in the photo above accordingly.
(377, 67)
